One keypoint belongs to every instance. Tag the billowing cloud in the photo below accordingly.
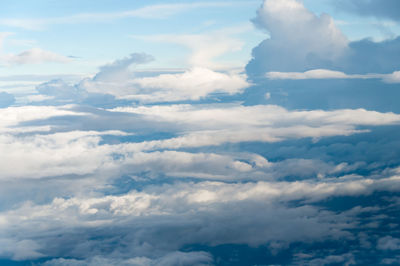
(301, 41)
(191, 167)
(298, 38)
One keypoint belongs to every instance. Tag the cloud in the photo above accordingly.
(118, 69)
(159, 11)
(34, 56)
(118, 80)
(298, 38)
(393, 78)
(301, 41)
(36, 139)
(312, 74)
(20, 250)
(330, 74)
(193, 84)
(60, 90)
(373, 8)
(205, 48)
(163, 218)
(388, 243)
(170, 259)
(120, 176)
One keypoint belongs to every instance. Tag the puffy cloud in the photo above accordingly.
(194, 84)
(163, 218)
(116, 80)
(300, 41)
(181, 184)
(298, 38)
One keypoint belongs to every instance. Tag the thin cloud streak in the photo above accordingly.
(160, 11)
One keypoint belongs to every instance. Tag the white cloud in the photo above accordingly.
(289, 21)
(188, 213)
(330, 74)
(193, 84)
(392, 78)
(311, 74)
(298, 38)
(77, 152)
(210, 125)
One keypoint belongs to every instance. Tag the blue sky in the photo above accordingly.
(200, 132)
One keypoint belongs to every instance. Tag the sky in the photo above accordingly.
(231, 132)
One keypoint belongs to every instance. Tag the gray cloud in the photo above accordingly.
(387, 9)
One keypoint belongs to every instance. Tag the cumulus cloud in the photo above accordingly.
(161, 219)
(193, 84)
(118, 80)
(300, 41)
(298, 38)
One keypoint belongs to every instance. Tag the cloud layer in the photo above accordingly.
(294, 162)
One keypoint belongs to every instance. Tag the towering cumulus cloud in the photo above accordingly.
(298, 38)
(291, 160)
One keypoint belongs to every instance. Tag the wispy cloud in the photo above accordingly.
(205, 48)
(330, 74)
(159, 11)
(34, 56)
